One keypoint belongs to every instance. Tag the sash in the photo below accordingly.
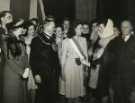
(79, 52)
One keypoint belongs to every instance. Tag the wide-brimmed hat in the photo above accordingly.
(16, 24)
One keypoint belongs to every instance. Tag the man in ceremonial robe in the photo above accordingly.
(45, 65)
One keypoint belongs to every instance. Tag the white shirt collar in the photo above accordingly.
(126, 38)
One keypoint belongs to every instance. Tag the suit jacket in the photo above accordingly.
(126, 63)
(122, 60)
(112, 53)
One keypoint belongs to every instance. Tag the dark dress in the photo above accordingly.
(44, 61)
(14, 86)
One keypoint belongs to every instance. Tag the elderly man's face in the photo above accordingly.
(50, 28)
(126, 28)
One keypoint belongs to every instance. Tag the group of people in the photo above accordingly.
(79, 62)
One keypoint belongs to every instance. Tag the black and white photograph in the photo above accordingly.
(67, 51)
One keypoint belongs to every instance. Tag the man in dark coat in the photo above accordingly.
(122, 53)
(45, 65)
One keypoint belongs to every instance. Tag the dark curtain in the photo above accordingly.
(116, 9)
(60, 8)
(85, 9)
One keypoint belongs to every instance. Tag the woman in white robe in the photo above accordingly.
(72, 83)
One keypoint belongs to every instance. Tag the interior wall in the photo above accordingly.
(75, 9)
(85, 9)
(116, 9)
(20, 8)
(4, 5)
(60, 8)
(131, 10)
(33, 9)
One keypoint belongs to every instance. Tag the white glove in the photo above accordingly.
(26, 73)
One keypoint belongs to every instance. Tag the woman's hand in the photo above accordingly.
(26, 73)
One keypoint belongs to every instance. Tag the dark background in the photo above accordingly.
(60, 8)
(117, 9)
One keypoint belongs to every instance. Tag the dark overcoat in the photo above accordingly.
(122, 68)
(44, 61)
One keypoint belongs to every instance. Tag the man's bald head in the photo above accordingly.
(126, 27)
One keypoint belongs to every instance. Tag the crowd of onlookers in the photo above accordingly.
(76, 62)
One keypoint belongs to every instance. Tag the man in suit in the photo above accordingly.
(44, 63)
